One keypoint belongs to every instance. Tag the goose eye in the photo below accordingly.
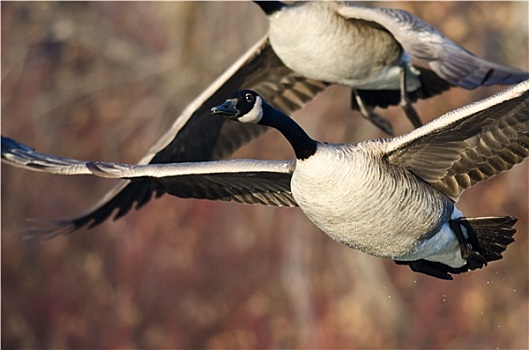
(249, 98)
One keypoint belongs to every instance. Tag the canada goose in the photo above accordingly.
(277, 84)
(391, 198)
(387, 56)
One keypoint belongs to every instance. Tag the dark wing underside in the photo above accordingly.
(431, 85)
(246, 181)
(248, 188)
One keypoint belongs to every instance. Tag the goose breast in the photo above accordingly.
(359, 199)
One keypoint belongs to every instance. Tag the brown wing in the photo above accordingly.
(246, 181)
(469, 144)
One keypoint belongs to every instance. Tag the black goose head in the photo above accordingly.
(245, 106)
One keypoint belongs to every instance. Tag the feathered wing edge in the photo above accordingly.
(245, 181)
(19, 155)
(429, 48)
(469, 144)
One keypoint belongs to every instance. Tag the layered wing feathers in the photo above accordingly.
(470, 144)
(241, 180)
(428, 47)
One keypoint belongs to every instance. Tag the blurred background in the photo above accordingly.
(104, 80)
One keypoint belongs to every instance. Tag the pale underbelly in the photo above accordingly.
(346, 65)
(382, 217)
(381, 233)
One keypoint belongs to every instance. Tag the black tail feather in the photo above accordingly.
(488, 236)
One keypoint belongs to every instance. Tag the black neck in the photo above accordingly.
(270, 7)
(303, 145)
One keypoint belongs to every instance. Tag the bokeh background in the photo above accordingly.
(104, 80)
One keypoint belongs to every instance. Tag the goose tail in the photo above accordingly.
(487, 236)
(490, 236)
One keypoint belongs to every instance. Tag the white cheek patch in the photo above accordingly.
(255, 114)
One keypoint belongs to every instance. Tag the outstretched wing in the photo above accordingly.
(246, 181)
(469, 144)
(196, 135)
(428, 47)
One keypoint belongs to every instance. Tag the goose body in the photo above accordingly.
(283, 69)
(389, 198)
(314, 40)
(336, 187)
(366, 48)
(387, 56)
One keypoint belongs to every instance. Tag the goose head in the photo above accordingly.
(246, 106)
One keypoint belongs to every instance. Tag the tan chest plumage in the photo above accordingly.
(362, 201)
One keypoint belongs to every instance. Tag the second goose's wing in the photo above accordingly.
(196, 135)
(428, 47)
(246, 181)
(469, 144)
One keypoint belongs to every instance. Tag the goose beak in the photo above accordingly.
(227, 109)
